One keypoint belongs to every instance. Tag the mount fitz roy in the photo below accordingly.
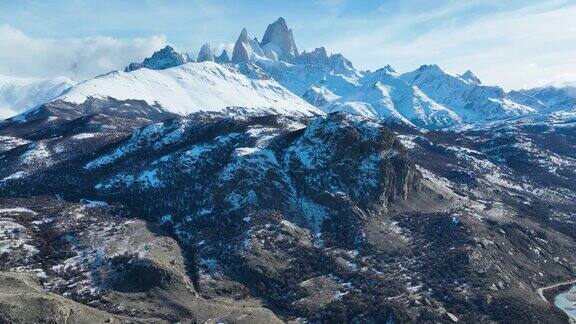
(269, 185)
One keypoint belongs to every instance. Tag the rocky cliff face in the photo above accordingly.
(206, 54)
(223, 57)
(160, 60)
(278, 42)
(246, 49)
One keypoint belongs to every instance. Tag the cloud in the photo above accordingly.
(7, 112)
(77, 58)
(219, 47)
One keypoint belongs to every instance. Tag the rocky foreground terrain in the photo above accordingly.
(115, 211)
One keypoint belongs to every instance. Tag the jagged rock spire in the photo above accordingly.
(388, 68)
(223, 58)
(205, 54)
(317, 57)
(278, 42)
(471, 77)
(246, 49)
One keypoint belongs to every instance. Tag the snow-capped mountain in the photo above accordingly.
(465, 95)
(427, 97)
(380, 94)
(223, 57)
(278, 42)
(19, 94)
(246, 49)
(193, 87)
(550, 98)
(273, 73)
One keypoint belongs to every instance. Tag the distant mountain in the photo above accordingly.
(206, 54)
(278, 42)
(465, 95)
(223, 57)
(551, 98)
(19, 94)
(427, 97)
(246, 49)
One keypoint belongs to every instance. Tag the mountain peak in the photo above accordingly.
(243, 35)
(434, 68)
(164, 58)
(471, 77)
(280, 21)
(223, 58)
(166, 50)
(388, 68)
(278, 42)
(205, 54)
(246, 49)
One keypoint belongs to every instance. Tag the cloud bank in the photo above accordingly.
(77, 58)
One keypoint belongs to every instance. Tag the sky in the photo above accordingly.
(512, 43)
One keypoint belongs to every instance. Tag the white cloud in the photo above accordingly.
(6, 112)
(219, 47)
(77, 58)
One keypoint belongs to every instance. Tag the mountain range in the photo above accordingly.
(284, 186)
(427, 97)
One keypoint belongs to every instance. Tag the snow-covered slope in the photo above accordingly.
(19, 94)
(464, 94)
(193, 87)
(380, 94)
(387, 95)
(551, 98)
(331, 83)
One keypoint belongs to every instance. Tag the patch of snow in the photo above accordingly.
(149, 179)
(13, 236)
(8, 143)
(17, 210)
(166, 219)
(38, 153)
(82, 136)
(93, 203)
(16, 175)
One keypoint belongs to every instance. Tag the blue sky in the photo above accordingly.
(514, 43)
